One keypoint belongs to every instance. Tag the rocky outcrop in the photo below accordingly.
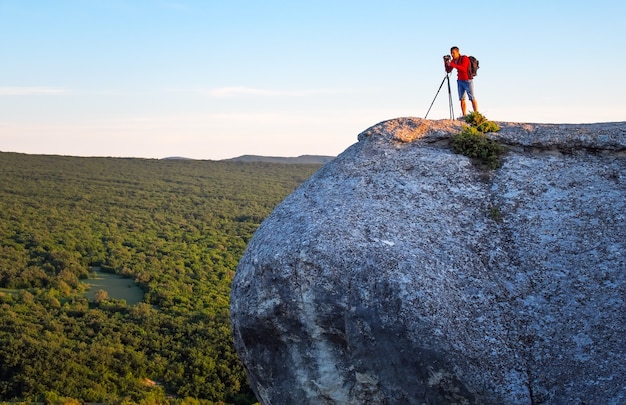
(401, 273)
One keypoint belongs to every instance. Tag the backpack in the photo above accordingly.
(472, 70)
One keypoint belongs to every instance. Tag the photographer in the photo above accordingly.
(464, 83)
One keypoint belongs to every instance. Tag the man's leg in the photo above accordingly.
(470, 94)
(461, 87)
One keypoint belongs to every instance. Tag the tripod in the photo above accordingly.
(447, 77)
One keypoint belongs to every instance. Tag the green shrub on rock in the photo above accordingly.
(473, 142)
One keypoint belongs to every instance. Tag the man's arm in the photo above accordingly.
(462, 65)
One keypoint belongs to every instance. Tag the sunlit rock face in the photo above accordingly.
(401, 273)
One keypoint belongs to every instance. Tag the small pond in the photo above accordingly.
(118, 287)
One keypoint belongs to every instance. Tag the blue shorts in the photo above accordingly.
(465, 86)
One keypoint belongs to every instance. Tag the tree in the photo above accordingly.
(100, 296)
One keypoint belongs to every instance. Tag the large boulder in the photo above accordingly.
(401, 273)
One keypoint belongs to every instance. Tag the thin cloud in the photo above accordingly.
(249, 91)
(31, 91)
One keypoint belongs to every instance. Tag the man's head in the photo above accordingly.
(454, 51)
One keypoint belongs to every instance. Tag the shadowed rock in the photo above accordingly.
(400, 273)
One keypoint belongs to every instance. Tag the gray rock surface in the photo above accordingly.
(401, 273)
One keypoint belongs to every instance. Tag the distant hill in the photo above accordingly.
(177, 158)
(304, 159)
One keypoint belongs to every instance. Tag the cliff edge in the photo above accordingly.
(401, 273)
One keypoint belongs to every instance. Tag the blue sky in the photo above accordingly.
(218, 79)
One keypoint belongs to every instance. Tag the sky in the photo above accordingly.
(216, 79)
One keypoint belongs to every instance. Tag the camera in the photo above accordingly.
(447, 58)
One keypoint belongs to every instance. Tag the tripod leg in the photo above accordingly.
(450, 99)
(440, 86)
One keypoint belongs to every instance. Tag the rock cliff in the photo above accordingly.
(401, 273)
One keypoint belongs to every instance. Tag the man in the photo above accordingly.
(464, 83)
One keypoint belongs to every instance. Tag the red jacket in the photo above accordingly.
(461, 65)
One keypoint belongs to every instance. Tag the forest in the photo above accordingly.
(175, 228)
